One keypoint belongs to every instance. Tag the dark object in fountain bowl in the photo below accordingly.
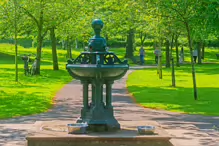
(147, 130)
(78, 128)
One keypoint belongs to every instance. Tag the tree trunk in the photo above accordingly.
(129, 45)
(192, 61)
(39, 43)
(203, 50)
(15, 40)
(39, 49)
(142, 38)
(167, 53)
(76, 43)
(171, 46)
(54, 50)
(173, 73)
(172, 62)
(160, 59)
(160, 66)
(70, 49)
(67, 48)
(177, 51)
(199, 53)
(66, 45)
(63, 44)
(133, 40)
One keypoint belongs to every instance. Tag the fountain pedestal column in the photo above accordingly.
(97, 67)
(98, 115)
(85, 94)
(109, 94)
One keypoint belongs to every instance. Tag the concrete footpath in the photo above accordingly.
(187, 130)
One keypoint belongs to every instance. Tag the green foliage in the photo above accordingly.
(157, 20)
(194, 13)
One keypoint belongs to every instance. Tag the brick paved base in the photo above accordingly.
(98, 143)
(54, 133)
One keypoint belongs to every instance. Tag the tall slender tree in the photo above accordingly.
(15, 40)
(185, 12)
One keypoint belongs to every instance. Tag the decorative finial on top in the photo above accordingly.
(97, 25)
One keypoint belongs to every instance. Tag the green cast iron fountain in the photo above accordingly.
(97, 67)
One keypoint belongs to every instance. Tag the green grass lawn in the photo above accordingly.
(35, 94)
(32, 94)
(152, 92)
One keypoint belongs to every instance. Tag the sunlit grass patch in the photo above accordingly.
(152, 92)
(32, 94)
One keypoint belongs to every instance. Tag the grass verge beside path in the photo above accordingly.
(152, 92)
(33, 94)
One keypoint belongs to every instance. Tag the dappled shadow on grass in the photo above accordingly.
(23, 103)
(9, 73)
(10, 59)
(65, 111)
(209, 69)
(21, 85)
(7, 59)
(45, 71)
(32, 94)
(210, 56)
(67, 107)
(156, 100)
(178, 99)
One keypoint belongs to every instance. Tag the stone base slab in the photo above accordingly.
(54, 133)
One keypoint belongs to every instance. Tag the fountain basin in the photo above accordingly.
(113, 72)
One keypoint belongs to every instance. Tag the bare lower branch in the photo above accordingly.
(44, 34)
(30, 15)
